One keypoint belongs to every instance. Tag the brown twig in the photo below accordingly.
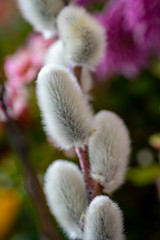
(92, 187)
(30, 179)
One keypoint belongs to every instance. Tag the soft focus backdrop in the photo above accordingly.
(132, 93)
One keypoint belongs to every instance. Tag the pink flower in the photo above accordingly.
(38, 45)
(16, 100)
(124, 54)
(22, 67)
(19, 68)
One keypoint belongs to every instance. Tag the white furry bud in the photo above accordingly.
(66, 196)
(55, 54)
(109, 148)
(66, 114)
(41, 13)
(103, 220)
(86, 80)
(84, 38)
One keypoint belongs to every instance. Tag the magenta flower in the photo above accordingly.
(144, 18)
(23, 66)
(124, 54)
(85, 3)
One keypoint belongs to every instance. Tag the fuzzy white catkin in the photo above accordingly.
(83, 36)
(66, 115)
(55, 54)
(103, 220)
(109, 148)
(66, 196)
(41, 13)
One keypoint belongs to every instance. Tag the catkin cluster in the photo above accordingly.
(69, 120)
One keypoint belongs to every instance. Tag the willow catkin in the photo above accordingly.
(109, 148)
(41, 14)
(103, 220)
(83, 36)
(55, 54)
(66, 196)
(66, 115)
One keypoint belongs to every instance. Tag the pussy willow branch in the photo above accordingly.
(92, 187)
(32, 184)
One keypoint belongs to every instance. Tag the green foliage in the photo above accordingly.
(144, 176)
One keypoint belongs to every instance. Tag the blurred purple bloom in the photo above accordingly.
(144, 18)
(124, 53)
(84, 3)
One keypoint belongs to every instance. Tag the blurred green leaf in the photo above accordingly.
(154, 141)
(144, 176)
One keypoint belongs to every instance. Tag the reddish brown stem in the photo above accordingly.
(92, 187)
(77, 72)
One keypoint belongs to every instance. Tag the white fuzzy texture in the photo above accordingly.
(83, 36)
(86, 80)
(55, 54)
(109, 148)
(66, 115)
(103, 220)
(66, 196)
(41, 14)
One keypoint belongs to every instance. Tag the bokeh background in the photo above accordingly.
(136, 100)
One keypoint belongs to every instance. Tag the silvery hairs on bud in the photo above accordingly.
(83, 36)
(41, 14)
(66, 196)
(66, 115)
(103, 220)
(55, 54)
(86, 81)
(109, 148)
